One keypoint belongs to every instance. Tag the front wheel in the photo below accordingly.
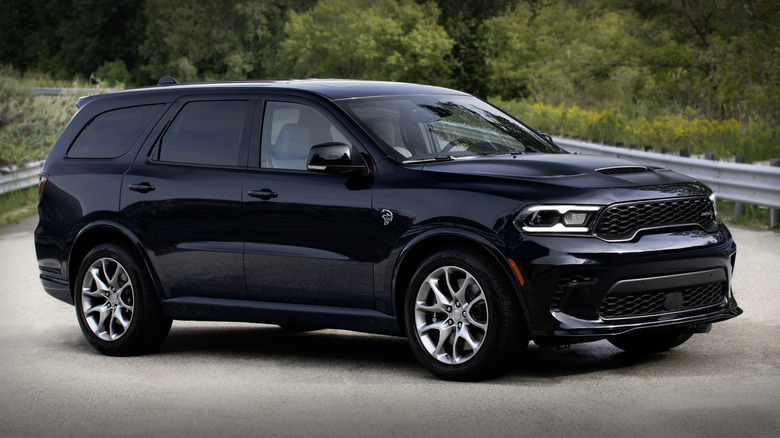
(648, 343)
(461, 319)
(116, 304)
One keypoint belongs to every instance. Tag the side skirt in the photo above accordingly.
(285, 314)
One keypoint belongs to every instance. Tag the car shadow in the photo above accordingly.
(277, 343)
(580, 359)
(334, 348)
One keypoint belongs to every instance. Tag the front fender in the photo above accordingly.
(394, 273)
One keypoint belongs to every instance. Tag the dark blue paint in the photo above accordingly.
(318, 253)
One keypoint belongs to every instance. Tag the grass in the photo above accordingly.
(29, 123)
(17, 205)
(29, 126)
(754, 217)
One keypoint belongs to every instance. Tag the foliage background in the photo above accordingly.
(719, 58)
(697, 74)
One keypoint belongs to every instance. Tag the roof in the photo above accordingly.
(333, 89)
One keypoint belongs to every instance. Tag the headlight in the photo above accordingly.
(714, 203)
(556, 218)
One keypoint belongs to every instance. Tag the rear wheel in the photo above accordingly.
(461, 318)
(116, 304)
(647, 343)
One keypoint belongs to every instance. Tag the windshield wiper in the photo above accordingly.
(500, 154)
(430, 160)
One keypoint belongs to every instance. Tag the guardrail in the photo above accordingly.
(56, 91)
(743, 183)
(19, 177)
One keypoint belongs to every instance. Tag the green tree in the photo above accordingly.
(713, 58)
(464, 22)
(194, 39)
(718, 56)
(214, 39)
(69, 38)
(97, 31)
(368, 39)
(27, 31)
(554, 52)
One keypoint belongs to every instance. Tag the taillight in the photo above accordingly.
(42, 178)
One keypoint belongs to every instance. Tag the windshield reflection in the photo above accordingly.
(423, 127)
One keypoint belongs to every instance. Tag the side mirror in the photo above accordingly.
(333, 158)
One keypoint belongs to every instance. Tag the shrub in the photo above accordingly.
(756, 140)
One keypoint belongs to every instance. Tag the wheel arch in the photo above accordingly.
(105, 232)
(426, 244)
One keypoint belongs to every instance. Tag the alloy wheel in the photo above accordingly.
(451, 315)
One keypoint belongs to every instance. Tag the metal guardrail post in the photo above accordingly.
(739, 208)
(774, 213)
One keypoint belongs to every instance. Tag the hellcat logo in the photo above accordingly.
(387, 216)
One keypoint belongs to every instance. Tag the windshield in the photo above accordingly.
(425, 127)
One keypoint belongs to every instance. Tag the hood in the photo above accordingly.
(568, 170)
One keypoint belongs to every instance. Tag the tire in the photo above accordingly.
(648, 343)
(116, 304)
(461, 318)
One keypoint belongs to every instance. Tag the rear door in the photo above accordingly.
(182, 197)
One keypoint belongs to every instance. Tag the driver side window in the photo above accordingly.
(290, 130)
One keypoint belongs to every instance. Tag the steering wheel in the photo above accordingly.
(454, 143)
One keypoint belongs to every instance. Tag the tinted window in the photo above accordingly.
(290, 130)
(112, 134)
(205, 133)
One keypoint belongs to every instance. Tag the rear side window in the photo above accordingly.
(206, 133)
(113, 133)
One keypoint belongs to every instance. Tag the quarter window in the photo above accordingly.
(113, 133)
(207, 133)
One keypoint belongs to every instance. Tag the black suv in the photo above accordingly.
(385, 208)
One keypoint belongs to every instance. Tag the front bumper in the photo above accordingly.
(583, 289)
(572, 330)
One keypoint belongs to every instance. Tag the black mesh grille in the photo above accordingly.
(623, 306)
(623, 220)
(623, 169)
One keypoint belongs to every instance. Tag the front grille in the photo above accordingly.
(622, 221)
(625, 306)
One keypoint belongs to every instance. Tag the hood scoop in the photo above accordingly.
(620, 170)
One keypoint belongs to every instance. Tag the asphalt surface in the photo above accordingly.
(218, 379)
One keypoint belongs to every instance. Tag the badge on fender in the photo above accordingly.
(387, 216)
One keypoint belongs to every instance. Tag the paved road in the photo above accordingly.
(216, 379)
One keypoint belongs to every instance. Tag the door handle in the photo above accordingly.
(264, 194)
(143, 187)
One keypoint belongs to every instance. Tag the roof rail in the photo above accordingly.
(167, 80)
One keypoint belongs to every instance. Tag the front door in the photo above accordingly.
(309, 235)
